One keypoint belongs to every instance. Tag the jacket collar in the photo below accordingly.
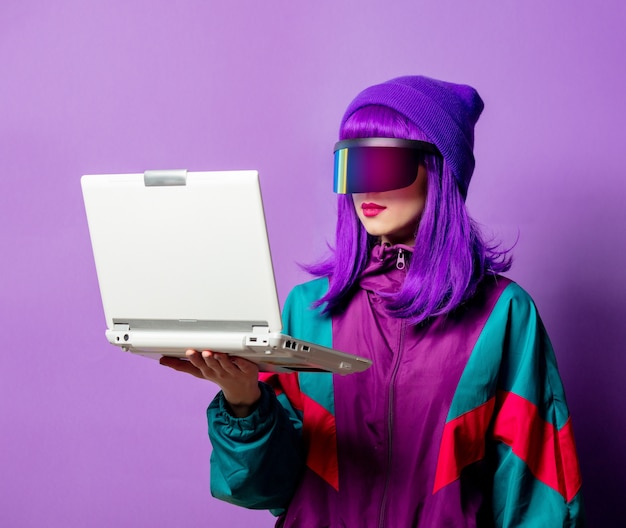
(386, 268)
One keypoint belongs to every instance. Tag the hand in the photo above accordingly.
(237, 377)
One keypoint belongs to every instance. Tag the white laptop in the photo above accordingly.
(183, 261)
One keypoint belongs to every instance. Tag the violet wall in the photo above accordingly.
(90, 436)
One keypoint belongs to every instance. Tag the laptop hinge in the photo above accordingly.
(121, 327)
(160, 178)
(260, 330)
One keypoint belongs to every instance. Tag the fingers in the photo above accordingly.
(213, 365)
(205, 361)
(225, 362)
(181, 366)
(222, 369)
(245, 366)
(205, 365)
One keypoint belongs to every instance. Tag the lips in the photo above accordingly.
(372, 209)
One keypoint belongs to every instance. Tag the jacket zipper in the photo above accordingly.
(383, 502)
(400, 262)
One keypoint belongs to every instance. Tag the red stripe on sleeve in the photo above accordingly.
(318, 427)
(284, 383)
(320, 434)
(462, 443)
(549, 453)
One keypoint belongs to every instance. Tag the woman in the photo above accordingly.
(461, 420)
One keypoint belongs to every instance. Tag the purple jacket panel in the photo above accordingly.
(390, 418)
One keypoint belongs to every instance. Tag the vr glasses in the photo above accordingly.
(378, 164)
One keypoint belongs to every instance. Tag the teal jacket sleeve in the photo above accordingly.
(510, 405)
(537, 478)
(257, 461)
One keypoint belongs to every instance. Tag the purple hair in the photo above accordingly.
(450, 257)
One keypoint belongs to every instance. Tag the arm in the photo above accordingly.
(509, 408)
(537, 479)
(256, 460)
(257, 453)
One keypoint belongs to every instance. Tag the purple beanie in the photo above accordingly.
(445, 112)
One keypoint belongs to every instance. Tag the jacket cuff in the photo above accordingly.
(260, 418)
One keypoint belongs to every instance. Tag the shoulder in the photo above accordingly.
(313, 289)
(305, 294)
(302, 319)
(510, 319)
(511, 351)
(513, 303)
(513, 292)
(509, 299)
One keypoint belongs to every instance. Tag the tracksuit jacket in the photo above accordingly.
(460, 422)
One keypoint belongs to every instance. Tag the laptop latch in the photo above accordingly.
(161, 178)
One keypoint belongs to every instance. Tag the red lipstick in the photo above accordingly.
(372, 209)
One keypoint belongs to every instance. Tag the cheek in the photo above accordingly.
(414, 197)
(357, 201)
(411, 202)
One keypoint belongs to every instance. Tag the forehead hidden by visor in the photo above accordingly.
(378, 164)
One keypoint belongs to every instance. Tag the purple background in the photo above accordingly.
(91, 436)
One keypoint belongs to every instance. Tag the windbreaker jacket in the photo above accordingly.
(460, 422)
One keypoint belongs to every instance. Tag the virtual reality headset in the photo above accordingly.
(378, 164)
